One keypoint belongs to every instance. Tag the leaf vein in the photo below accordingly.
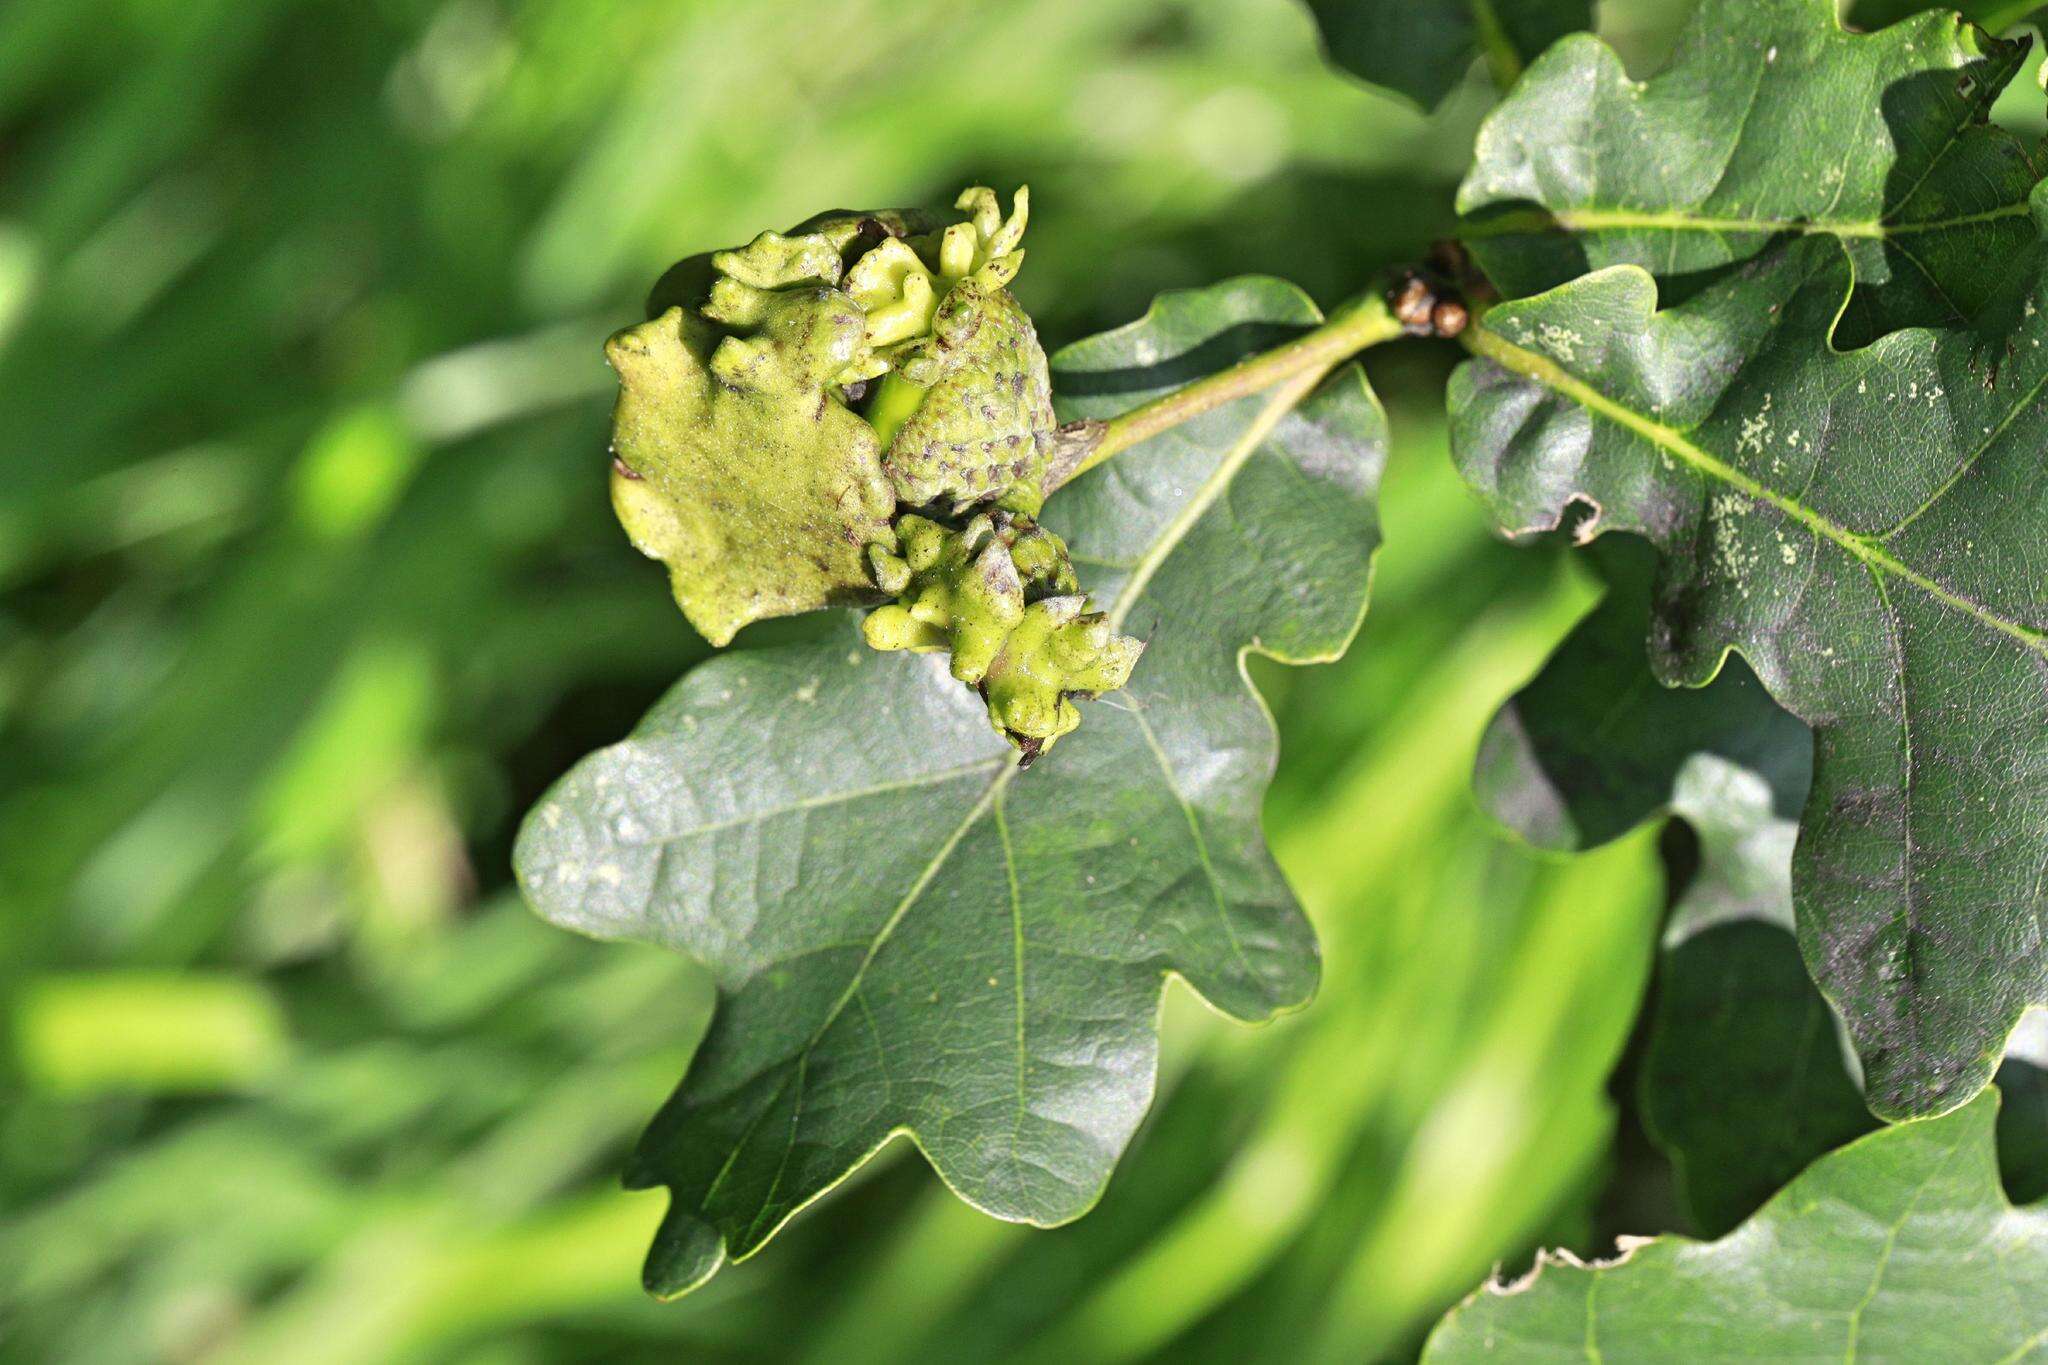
(809, 803)
(1501, 351)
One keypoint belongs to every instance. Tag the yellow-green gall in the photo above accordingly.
(964, 594)
(1057, 652)
(1000, 594)
(963, 404)
(790, 393)
(735, 467)
(858, 410)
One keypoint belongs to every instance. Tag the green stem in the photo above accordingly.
(1503, 63)
(1305, 360)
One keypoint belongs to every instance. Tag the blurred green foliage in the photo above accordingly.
(308, 584)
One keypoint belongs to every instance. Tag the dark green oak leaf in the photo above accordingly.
(1865, 528)
(1423, 48)
(1899, 1247)
(1769, 119)
(1594, 746)
(1744, 1080)
(913, 937)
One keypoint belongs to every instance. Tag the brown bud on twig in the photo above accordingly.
(1412, 304)
(1426, 305)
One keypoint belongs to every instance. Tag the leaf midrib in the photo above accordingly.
(1854, 1325)
(1497, 348)
(1972, 114)
(1678, 220)
(1286, 397)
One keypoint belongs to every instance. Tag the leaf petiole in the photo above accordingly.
(1364, 323)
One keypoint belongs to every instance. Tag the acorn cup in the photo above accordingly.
(808, 419)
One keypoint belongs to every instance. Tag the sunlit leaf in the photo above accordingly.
(911, 935)
(1899, 1247)
(1770, 119)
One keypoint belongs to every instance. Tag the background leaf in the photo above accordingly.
(1743, 1079)
(1422, 48)
(1769, 119)
(1900, 1247)
(911, 935)
(1594, 745)
(1741, 1082)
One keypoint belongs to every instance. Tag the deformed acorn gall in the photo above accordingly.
(1000, 594)
(855, 410)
